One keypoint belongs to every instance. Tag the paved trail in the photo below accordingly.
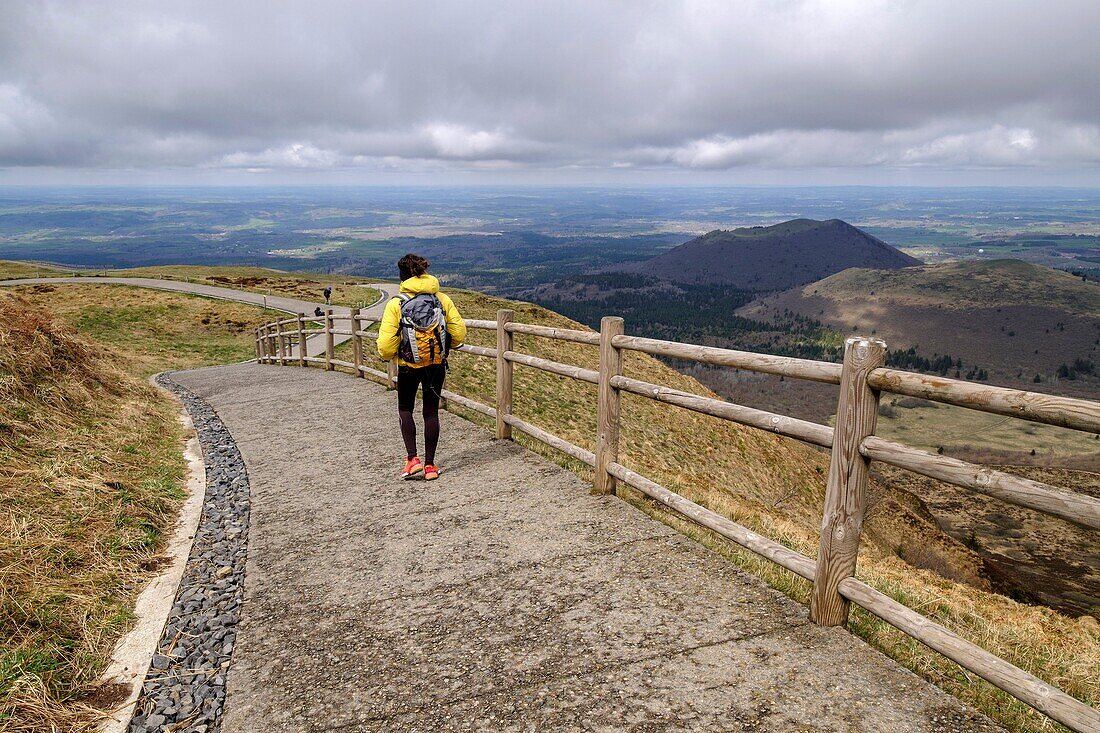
(315, 345)
(504, 596)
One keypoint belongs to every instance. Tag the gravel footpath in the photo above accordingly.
(185, 687)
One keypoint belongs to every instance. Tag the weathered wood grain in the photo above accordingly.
(792, 427)
(504, 374)
(560, 334)
(356, 342)
(814, 371)
(846, 488)
(1049, 700)
(300, 322)
(585, 456)
(1065, 412)
(780, 554)
(280, 339)
(330, 344)
(1071, 506)
(554, 367)
(477, 350)
(469, 403)
(608, 403)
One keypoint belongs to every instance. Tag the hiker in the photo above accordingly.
(318, 312)
(420, 326)
(328, 294)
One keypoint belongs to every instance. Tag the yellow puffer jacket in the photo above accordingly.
(388, 337)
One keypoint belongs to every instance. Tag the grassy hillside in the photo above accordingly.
(775, 486)
(966, 285)
(769, 483)
(306, 286)
(302, 285)
(153, 331)
(1014, 320)
(90, 476)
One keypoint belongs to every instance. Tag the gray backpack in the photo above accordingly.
(423, 330)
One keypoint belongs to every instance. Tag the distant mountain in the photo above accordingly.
(1016, 319)
(773, 258)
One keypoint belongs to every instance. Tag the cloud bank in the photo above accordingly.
(570, 85)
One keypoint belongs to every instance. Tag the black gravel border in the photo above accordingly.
(184, 689)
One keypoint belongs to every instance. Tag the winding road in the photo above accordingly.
(315, 346)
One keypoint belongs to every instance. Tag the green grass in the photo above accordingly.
(967, 284)
(11, 270)
(153, 330)
(90, 480)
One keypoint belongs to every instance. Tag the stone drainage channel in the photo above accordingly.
(185, 686)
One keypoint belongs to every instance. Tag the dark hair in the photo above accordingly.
(412, 266)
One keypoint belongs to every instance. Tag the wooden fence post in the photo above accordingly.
(259, 353)
(356, 342)
(607, 410)
(504, 374)
(263, 343)
(330, 346)
(270, 345)
(302, 340)
(845, 491)
(280, 340)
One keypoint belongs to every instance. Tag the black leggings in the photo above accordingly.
(409, 380)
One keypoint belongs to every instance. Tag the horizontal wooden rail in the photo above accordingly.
(342, 332)
(477, 350)
(554, 367)
(1043, 697)
(814, 371)
(1065, 412)
(467, 403)
(362, 333)
(1078, 508)
(780, 554)
(585, 456)
(561, 334)
(810, 432)
(377, 373)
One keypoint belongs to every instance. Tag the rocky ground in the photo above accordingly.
(186, 684)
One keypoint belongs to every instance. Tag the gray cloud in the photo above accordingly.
(498, 85)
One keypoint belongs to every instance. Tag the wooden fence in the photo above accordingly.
(861, 378)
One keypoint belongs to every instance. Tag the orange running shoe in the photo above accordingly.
(413, 466)
(431, 473)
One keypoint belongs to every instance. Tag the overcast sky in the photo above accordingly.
(830, 91)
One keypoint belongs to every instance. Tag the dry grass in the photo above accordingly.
(301, 285)
(957, 429)
(11, 270)
(775, 486)
(770, 484)
(90, 476)
(965, 285)
(154, 330)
